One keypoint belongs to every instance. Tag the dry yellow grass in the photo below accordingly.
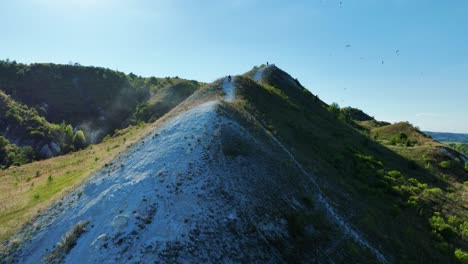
(26, 190)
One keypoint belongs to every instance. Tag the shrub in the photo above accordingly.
(461, 256)
(439, 225)
(394, 177)
(466, 165)
(67, 243)
(68, 131)
(334, 108)
(433, 192)
(454, 221)
(464, 230)
(79, 139)
(445, 164)
(428, 166)
(401, 138)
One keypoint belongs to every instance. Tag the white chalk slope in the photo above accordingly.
(258, 75)
(183, 194)
(201, 188)
(228, 88)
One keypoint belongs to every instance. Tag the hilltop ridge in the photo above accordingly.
(258, 168)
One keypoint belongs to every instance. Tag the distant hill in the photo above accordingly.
(448, 137)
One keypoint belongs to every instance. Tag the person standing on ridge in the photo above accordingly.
(229, 78)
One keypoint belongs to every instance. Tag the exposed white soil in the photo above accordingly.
(199, 189)
(229, 89)
(258, 75)
(174, 197)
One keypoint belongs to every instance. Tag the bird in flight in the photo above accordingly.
(397, 52)
(348, 46)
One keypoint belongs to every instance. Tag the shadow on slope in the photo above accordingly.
(370, 184)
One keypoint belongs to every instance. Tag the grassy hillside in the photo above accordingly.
(393, 199)
(42, 106)
(26, 190)
(71, 92)
(164, 100)
(407, 193)
(401, 133)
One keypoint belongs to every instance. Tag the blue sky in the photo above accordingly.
(425, 83)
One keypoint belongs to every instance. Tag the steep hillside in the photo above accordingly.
(77, 94)
(377, 188)
(96, 100)
(164, 100)
(22, 128)
(30, 188)
(208, 184)
(41, 103)
(401, 133)
(269, 174)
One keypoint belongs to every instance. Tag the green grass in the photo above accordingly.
(165, 99)
(24, 192)
(391, 208)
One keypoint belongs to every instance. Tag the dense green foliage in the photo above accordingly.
(446, 164)
(42, 105)
(71, 92)
(10, 154)
(28, 129)
(461, 256)
(79, 140)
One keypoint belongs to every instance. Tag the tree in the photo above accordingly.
(79, 140)
(461, 256)
(445, 164)
(68, 133)
(334, 108)
(3, 142)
